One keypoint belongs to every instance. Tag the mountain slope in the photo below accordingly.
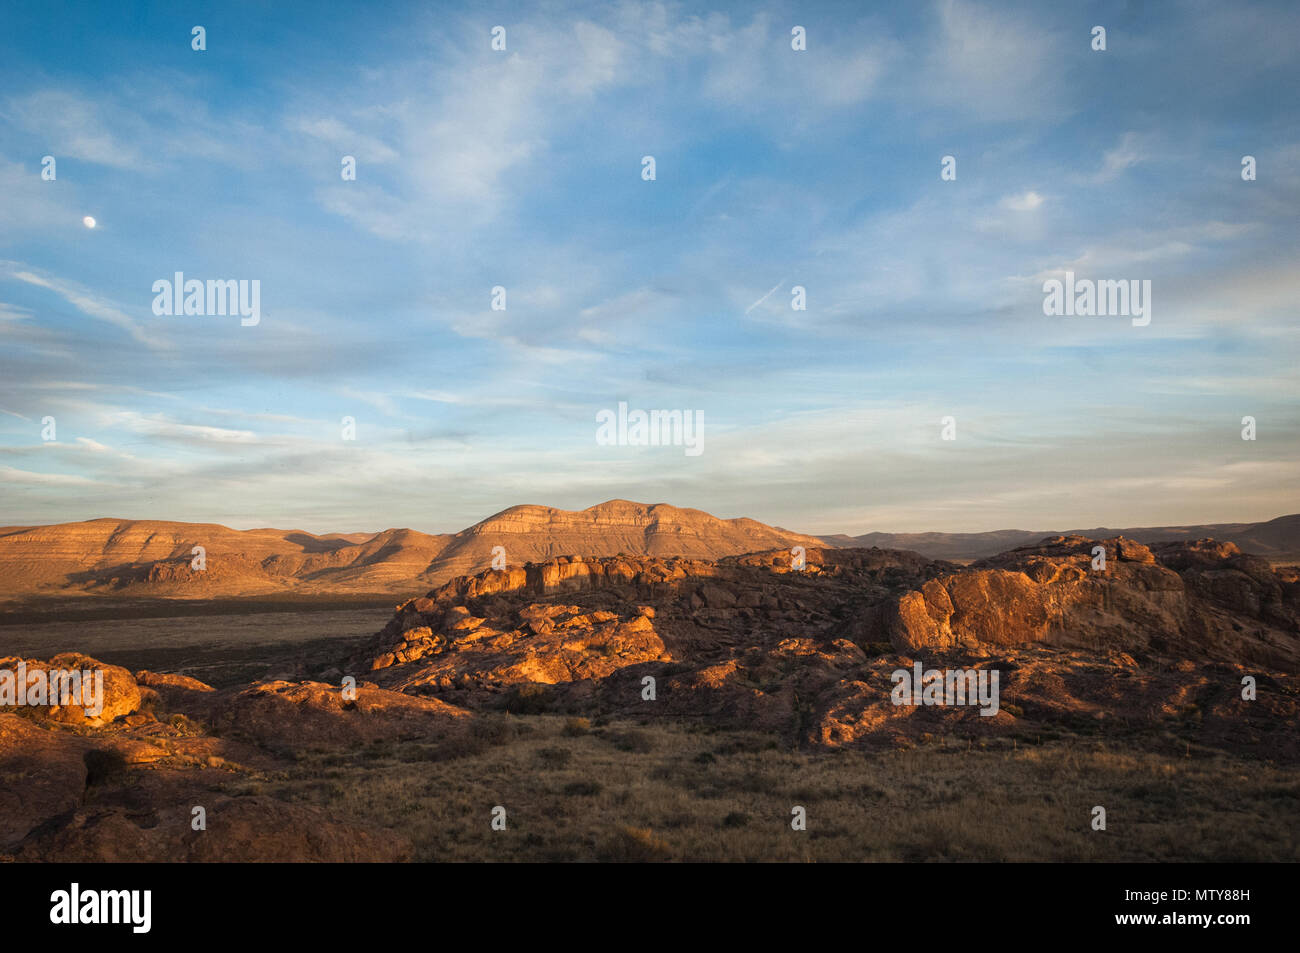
(152, 558)
(534, 533)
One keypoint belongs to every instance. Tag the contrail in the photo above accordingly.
(765, 297)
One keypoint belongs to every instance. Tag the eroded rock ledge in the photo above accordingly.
(570, 619)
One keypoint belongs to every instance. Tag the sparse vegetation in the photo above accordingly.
(530, 698)
(631, 740)
(685, 795)
(554, 757)
(633, 845)
(577, 727)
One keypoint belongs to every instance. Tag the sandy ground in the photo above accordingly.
(220, 649)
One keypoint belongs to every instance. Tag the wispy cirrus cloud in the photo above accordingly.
(84, 300)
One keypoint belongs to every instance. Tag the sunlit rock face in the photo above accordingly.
(99, 695)
(1195, 600)
(741, 638)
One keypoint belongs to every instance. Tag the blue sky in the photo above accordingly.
(775, 168)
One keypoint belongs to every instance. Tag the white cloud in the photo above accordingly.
(164, 427)
(381, 402)
(1024, 202)
(87, 302)
(73, 126)
(345, 139)
(1131, 150)
(109, 125)
(10, 474)
(994, 65)
(31, 203)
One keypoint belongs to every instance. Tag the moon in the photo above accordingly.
(88, 222)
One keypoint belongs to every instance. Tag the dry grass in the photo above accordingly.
(629, 792)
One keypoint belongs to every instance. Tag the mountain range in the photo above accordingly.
(156, 558)
(152, 558)
(1277, 540)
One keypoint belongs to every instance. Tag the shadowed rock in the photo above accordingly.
(300, 715)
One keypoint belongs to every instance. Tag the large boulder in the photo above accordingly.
(106, 692)
(1221, 605)
(179, 693)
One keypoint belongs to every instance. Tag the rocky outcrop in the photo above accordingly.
(756, 641)
(1193, 600)
(1197, 600)
(177, 693)
(125, 789)
(98, 694)
(550, 644)
(298, 715)
(569, 620)
(39, 776)
(1049, 692)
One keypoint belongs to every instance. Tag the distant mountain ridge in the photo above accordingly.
(1276, 539)
(152, 558)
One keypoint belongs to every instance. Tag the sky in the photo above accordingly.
(775, 169)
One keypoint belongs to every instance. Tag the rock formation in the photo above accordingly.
(1160, 638)
(750, 640)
